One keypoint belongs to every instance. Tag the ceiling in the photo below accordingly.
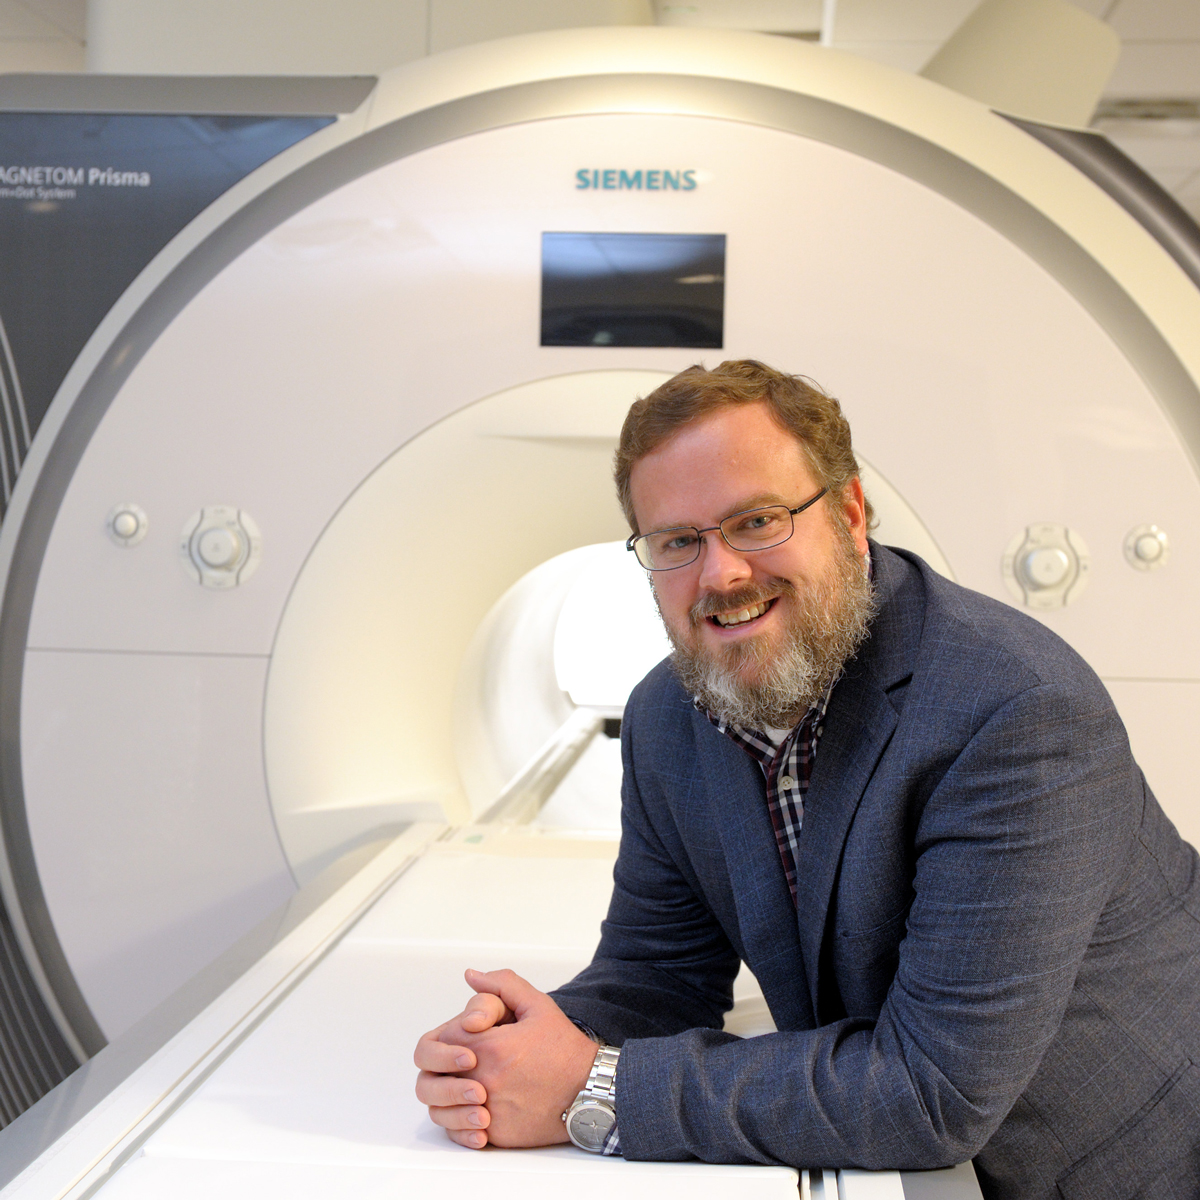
(1160, 55)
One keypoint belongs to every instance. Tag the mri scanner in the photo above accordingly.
(314, 597)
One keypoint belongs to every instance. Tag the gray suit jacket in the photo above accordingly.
(996, 953)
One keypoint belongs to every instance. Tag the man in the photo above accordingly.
(911, 810)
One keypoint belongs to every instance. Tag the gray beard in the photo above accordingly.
(830, 622)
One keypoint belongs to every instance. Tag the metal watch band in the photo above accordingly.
(602, 1079)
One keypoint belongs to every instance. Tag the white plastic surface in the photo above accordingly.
(324, 1086)
(1162, 718)
(155, 849)
(152, 1178)
(590, 795)
(869, 1185)
(608, 633)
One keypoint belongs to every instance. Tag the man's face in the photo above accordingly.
(807, 599)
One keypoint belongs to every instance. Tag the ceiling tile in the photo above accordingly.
(1156, 20)
(770, 16)
(1154, 69)
(866, 21)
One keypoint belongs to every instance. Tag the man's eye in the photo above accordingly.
(757, 522)
(679, 541)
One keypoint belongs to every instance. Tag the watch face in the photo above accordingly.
(589, 1122)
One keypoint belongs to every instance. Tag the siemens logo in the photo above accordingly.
(614, 180)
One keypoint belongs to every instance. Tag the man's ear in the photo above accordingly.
(854, 507)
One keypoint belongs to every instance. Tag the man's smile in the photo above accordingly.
(743, 615)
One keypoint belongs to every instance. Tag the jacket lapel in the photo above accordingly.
(859, 725)
(855, 738)
(766, 920)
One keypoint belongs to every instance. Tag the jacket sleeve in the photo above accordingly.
(1017, 849)
(664, 965)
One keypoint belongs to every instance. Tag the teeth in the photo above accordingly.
(740, 618)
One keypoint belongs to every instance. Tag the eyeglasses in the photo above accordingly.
(754, 529)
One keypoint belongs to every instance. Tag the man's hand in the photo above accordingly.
(509, 1064)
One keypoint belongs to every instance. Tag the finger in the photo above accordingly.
(442, 1057)
(517, 994)
(475, 1139)
(483, 1011)
(460, 1118)
(445, 1090)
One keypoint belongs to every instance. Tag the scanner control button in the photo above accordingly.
(127, 524)
(1148, 548)
(1046, 567)
(219, 547)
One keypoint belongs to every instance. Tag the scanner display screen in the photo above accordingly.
(633, 289)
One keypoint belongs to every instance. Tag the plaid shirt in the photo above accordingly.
(787, 769)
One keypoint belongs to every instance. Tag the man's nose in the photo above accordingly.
(721, 566)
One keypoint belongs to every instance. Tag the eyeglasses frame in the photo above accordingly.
(793, 512)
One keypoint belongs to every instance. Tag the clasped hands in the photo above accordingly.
(506, 1068)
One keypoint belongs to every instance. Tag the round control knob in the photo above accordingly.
(219, 548)
(1045, 567)
(1148, 548)
(127, 524)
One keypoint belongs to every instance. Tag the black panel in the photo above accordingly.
(633, 289)
(33, 1054)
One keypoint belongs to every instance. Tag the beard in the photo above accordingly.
(757, 684)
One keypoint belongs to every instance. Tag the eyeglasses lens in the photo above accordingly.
(666, 549)
(757, 529)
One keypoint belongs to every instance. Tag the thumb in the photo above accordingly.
(517, 994)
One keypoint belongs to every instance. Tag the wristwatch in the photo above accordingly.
(592, 1116)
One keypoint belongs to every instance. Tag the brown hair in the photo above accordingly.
(796, 403)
